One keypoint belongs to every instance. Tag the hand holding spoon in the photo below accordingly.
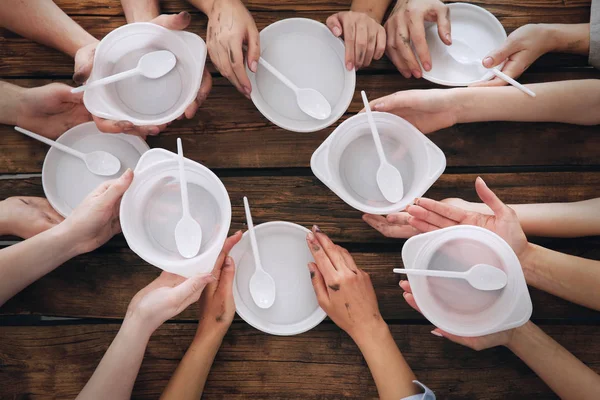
(480, 276)
(389, 179)
(464, 54)
(98, 162)
(188, 234)
(152, 65)
(310, 101)
(262, 285)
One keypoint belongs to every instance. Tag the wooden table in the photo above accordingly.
(523, 162)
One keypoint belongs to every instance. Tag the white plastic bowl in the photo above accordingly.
(453, 305)
(141, 100)
(308, 54)
(151, 208)
(67, 180)
(285, 256)
(347, 162)
(475, 26)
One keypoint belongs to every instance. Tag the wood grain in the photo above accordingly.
(321, 364)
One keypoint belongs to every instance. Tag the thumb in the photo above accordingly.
(489, 198)
(496, 57)
(190, 290)
(176, 22)
(334, 24)
(117, 188)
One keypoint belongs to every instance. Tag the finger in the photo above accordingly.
(190, 290)
(348, 260)
(225, 67)
(495, 81)
(318, 284)
(236, 58)
(230, 242)
(334, 25)
(149, 130)
(225, 284)
(392, 49)
(370, 49)
(406, 51)
(322, 260)
(118, 187)
(332, 250)
(205, 88)
(410, 300)
(497, 56)
(416, 27)
(380, 44)
(444, 209)
(388, 229)
(490, 199)
(513, 67)
(443, 23)
(389, 103)
(405, 285)
(110, 126)
(360, 45)
(421, 225)
(349, 42)
(430, 217)
(453, 338)
(177, 22)
(253, 48)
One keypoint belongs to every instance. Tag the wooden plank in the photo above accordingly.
(21, 57)
(219, 138)
(58, 360)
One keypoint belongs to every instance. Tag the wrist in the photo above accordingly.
(11, 103)
(519, 336)
(65, 233)
(528, 261)
(377, 332)
(206, 6)
(461, 103)
(211, 332)
(135, 327)
(369, 11)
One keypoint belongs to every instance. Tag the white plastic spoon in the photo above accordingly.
(152, 65)
(188, 234)
(98, 162)
(464, 54)
(262, 285)
(480, 276)
(310, 101)
(389, 179)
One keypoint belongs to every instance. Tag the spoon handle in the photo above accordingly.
(374, 130)
(429, 272)
(51, 143)
(278, 74)
(252, 234)
(185, 201)
(107, 80)
(510, 80)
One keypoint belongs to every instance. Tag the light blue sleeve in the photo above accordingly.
(426, 395)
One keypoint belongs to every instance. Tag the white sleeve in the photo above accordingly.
(426, 395)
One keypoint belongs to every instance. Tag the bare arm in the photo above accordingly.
(373, 8)
(44, 22)
(140, 10)
(568, 377)
(10, 96)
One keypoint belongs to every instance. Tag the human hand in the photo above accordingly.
(520, 50)
(364, 37)
(230, 26)
(27, 216)
(343, 290)
(476, 343)
(50, 110)
(428, 110)
(406, 23)
(96, 219)
(430, 215)
(165, 297)
(216, 306)
(84, 60)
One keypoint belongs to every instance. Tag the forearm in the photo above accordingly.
(190, 376)
(203, 5)
(25, 262)
(572, 278)
(115, 375)
(575, 102)
(140, 10)
(10, 96)
(393, 376)
(568, 38)
(44, 22)
(373, 8)
(568, 377)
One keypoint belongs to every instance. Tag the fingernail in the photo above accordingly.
(237, 233)
(401, 280)
(154, 130)
(125, 125)
(392, 218)
(253, 66)
(228, 261)
(449, 38)
(316, 229)
(427, 66)
(416, 73)
(404, 295)
(435, 333)
(349, 66)
(378, 106)
(310, 237)
(482, 181)
(417, 201)
(185, 15)
(405, 74)
(247, 90)
(488, 61)
(337, 31)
